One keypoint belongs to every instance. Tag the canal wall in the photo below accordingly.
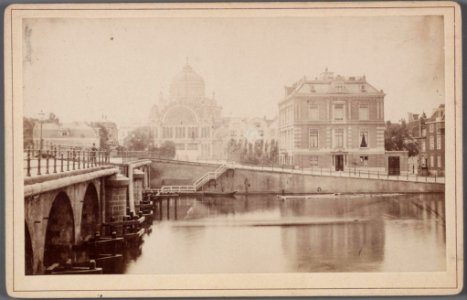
(257, 181)
(172, 172)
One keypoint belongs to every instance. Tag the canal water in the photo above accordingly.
(325, 233)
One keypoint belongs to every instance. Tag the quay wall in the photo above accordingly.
(171, 172)
(257, 181)
(277, 181)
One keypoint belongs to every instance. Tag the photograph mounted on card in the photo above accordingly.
(241, 149)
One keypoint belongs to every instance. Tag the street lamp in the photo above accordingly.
(41, 120)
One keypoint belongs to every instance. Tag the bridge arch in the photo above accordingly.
(59, 237)
(29, 254)
(90, 218)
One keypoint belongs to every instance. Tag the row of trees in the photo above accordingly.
(141, 139)
(258, 152)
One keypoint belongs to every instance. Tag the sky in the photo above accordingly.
(82, 68)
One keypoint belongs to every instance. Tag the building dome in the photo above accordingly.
(187, 85)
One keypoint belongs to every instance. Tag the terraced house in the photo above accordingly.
(335, 122)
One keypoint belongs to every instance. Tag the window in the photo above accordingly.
(424, 132)
(193, 132)
(314, 161)
(423, 146)
(432, 142)
(364, 139)
(432, 161)
(439, 144)
(432, 128)
(338, 111)
(205, 132)
(180, 146)
(314, 112)
(192, 146)
(440, 162)
(167, 132)
(363, 112)
(364, 161)
(314, 138)
(339, 138)
(179, 132)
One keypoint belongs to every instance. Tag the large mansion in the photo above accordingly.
(334, 122)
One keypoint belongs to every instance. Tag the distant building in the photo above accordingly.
(241, 130)
(112, 132)
(73, 134)
(430, 135)
(335, 122)
(188, 117)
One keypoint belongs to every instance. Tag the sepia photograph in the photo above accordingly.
(234, 149)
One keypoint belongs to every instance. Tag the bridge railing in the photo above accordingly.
(177, 189)
(58, 160)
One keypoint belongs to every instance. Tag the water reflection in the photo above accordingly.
(326, 233)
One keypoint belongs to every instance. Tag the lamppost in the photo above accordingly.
(41, 120)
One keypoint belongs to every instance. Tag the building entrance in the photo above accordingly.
(339, 162)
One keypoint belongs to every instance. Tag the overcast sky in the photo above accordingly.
(81, 68)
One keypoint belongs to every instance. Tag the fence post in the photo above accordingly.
(61, 162)
(55, 160)
(28, 163)
(68, 154)
(47, 162)
(73, 156)
(39, 162)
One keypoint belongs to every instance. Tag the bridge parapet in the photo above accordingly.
(40, 162)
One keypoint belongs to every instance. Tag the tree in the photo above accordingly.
(139, 139)
(103, 137)
(28, 128)
(168, 149)
(397, 138)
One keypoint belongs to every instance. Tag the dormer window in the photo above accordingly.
(312, 89)
(363, 88)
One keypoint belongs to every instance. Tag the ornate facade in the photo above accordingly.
(188, 117)
(332, 122)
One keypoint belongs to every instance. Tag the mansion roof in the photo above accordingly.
(329, 84)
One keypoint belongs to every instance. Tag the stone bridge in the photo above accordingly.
(63, 210)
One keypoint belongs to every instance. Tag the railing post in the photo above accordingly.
(68, 160)
(426, 177)
(28, 163)
(73, 158)
(407, 175)
(39, 162)
(435, 177)
(55, 160)
(378, 174)
(61, 162)
(47, 162)
(358, 173)
(79, 159)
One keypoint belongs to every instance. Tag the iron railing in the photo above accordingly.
(59, 160)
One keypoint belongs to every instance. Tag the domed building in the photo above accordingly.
(188, 118)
